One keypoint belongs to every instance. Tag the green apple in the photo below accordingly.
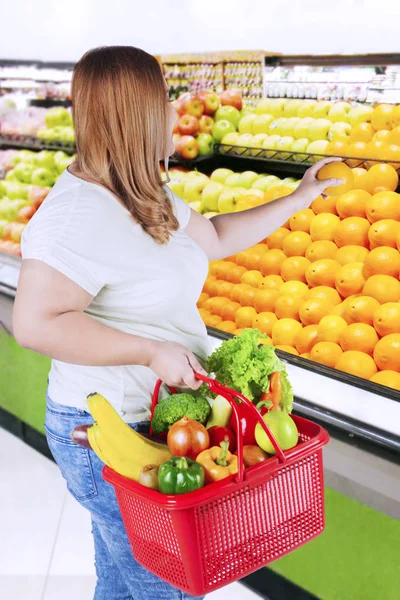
(15, 190)
(276, 125)
(319, 129)
(276, 106)
(177, 187)
(43, 177)
(263, 183)
(220, 175)
(289, 125)
(285, 143)
(339, 112)
(257, 143)
(247, 179)
(283, 429)
(197, 206)
(317, 147)
(57, 116)
(247, 110)
(45, 159)
(300, 130)
(230, 139)
(246, 123)
(322, 109)
(221, 128)
(228, 200)
(228, 113)
(25, 156)
(263, 107)
(300, 145)
(3, 223)
(306, 108)
(360, 114)
(62, 163)
(196, 175)
(270, 144)
(2, 190)
(261, 124)
(193, 189)
(210, 215)
(210, 195)
(291, 108)
(233, 180)
(206, 144)
(245, 141)
(339, 132)
(23, 172)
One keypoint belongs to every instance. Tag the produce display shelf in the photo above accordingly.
(50, 102)
(33, 143)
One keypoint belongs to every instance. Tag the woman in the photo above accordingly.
(113, 266)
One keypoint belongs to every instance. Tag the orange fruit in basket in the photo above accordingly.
(202, 298)
(275, 240)
(216, 304)
(213, 288)
(383, 288)
(314, 309)
(387, 318)
(225, 289)
(326, 353)
(234, 275)
(252, 262)
(213, 267)
(387, 378)
(296, 243)
(228, 311)
(398, 242)
(382, 261)
(337, 170)
(284, 332)
(357, 363)
(351, 254)
(264, 322)
(206, 287)
(350, 279)
(288, 306)
(330, 328)
(323, 227)
(362, 180)
(241, 258)
(338, 310)
(294, 268)
(277, 192)
(352, 204)
(244, 317)
(204, 313)
(212, 321)
(306, 339)
(382, 117)
(364, 132)
(247, 296)
(252, 278)
(323, 291)
(383, 175)
(361, 309)
(221, 268)
(227, 326)
(288, 349)
(237, 291)
(322, 272)
(265, 300)
(384, 205)
(359, 336)
(324, 205)
(352, 231)
(301, 220)
(321, 249)
(271, 282)
(387, 353)
(384, 233)
(272, 261)
(297, 288)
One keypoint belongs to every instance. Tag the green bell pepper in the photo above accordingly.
(180, 475)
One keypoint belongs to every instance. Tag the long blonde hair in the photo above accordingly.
(121, 117)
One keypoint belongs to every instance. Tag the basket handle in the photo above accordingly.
(229, 395)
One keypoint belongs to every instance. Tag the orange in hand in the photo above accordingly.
(337, 170)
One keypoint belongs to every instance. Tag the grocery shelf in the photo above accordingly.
(23, 142)
(50, 102)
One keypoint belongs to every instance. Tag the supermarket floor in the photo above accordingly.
(46, 550)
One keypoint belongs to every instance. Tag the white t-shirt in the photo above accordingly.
(139, 286)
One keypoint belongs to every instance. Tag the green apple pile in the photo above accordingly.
(58, 126)
(225, 191)
(279, 126)
(38, 168)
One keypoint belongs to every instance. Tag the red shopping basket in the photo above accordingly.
(206, 539)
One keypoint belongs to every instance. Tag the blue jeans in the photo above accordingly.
(119, 576)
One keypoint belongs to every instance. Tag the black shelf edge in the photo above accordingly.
(34, 144)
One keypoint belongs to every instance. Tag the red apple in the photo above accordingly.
(231, 98)
(187, 147)
(206, 124)
(211, 102)
(37, 194)
(194, 106)
(180, 102)
(26, 213)
(176, 128)
(188, 125)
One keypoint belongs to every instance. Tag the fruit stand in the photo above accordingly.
(330, 306)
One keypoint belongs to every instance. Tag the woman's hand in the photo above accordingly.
(311, 187)
(175, 365)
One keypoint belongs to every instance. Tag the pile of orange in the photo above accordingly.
(326, 285)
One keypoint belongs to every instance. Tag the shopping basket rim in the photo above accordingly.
(253, 475)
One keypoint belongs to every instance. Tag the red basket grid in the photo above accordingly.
(204, 540)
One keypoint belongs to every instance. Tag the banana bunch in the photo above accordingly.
(118, 445)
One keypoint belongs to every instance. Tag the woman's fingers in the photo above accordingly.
(321, 163)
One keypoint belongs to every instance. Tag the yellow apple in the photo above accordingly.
(197, 206)
(232, 180)
(265, 182)
(228, 200)
(317, 147)
(300, 130)
(220, 175)
(263, 107)
(319, 129)
(339, 132)
(291, 108)
(321, 110)
(261, 124)
(288, 127)
(257, 143)
(360, 114)
(245, 141)
(246, 123)
(306, 108)
(211, 214)
(210, 195)
(270, 144)
(230, 139)
(300, 145)
(255, 192)
(285, 143)
(339, 112)
(247, 179)
(276, 106)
